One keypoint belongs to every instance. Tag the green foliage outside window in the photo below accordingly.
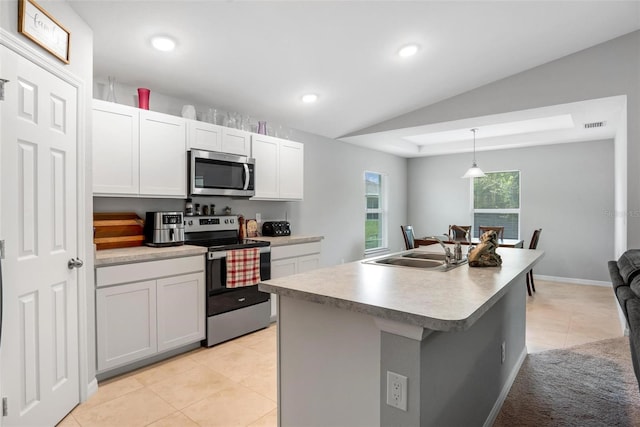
(497, 190)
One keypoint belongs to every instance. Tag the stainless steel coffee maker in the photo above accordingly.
(164, 229)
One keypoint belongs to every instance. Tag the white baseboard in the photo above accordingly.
(572, 280)
(505, 390)
(92, 388)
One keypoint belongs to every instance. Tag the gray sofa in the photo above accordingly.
(625, 278)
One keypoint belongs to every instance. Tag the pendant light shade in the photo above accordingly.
(474, 171)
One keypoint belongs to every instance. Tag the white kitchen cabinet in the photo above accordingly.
(291, 170)
(146, 308)
(283, 267)
(236, 141)
(163, 158)
(138, 152)
(126, 323)
(210, 137)
(279, 168)
(115, 149)
(203, 136)
(177, 325)
(287, 260)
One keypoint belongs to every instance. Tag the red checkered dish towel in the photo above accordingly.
(243, 267)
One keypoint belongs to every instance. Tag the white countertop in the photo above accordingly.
(144, 253)
(444, 301)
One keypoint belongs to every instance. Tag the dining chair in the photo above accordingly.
(409, 237)
(533, 245)
(459, 232)
(498, 229)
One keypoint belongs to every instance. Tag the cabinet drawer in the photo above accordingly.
(237, 298)
(288, 251)
(116, 274)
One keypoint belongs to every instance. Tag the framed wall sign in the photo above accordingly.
(42, 28)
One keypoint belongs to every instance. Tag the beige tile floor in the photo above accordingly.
(234, 383)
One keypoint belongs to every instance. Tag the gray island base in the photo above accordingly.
(457, 336)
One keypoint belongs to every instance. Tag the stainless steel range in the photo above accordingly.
(231, 312)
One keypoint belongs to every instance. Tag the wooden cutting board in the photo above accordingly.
(113, 230)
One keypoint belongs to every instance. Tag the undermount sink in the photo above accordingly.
(422, 260)
(422, 255)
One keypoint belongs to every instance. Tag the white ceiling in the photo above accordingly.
(259, 57)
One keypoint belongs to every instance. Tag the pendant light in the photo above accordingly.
(474, 171)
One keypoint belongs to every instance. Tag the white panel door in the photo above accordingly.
(163, 155)
(181, 309)
(39, 219)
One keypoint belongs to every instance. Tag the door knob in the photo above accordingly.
(75, 263)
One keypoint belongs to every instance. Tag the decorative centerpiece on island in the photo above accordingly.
(484, 255)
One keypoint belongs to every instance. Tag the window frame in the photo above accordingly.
(496, 211)
(381, 210)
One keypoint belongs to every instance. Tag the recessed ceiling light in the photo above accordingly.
(309, 98)
(163, 43)
(408, 50)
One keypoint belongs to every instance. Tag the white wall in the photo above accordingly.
(608, 69)
(570, 197)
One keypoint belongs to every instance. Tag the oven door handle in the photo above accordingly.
(247, 176)
(216, 255)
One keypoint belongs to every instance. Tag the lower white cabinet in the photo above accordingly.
(147, 308)
(292, 259)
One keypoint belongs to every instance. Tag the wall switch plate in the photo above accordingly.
(397, 390)
(258, 217)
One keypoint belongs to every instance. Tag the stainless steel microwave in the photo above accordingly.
(220, 174)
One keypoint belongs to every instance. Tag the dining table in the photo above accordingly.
(505, 243)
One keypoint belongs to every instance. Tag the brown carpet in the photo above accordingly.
(587, 385)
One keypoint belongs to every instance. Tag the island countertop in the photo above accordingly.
(442, 301)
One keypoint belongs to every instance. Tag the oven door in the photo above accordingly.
(221, 299)
(220, 174)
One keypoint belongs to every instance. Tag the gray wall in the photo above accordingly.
(570, 197)
(608, 69)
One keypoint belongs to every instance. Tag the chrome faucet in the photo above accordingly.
(448, 256)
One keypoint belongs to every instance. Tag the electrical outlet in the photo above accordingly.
(396, 390)
(503, 352)
(258, 217)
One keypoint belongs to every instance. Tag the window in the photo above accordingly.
(375, 224)
(496, 202)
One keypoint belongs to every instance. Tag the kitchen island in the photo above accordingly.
(457, 336)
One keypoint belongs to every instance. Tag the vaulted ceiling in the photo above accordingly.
(260, 57)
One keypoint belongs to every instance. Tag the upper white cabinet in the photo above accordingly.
(138, 152)
(236, 141)
(207, 136)
(279, 168)
(163, 159)
(203, 136)
(115, 149)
